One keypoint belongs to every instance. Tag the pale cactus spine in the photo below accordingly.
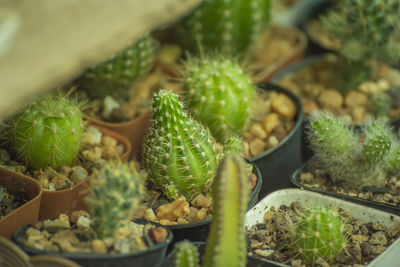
(186, 254)
(219, 95)
(179, 153)
(115, 195)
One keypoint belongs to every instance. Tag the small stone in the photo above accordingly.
(245, 149)
(359, 238)
(167, 222)
(83, 223)
(356, 99)
(78, 213)
(383, 85)
(365, 248)
(122, 245)
(172, 211)
(202, 201)
(393, 232)
(264, 253)
(93, 154)
(359, 114)
(331, 100)
(109, 104)
(52, 187)
(149, 215)
(297, 263)
(258, 131)
(92, 136)
(63, 217)
(309, 106)
(368, 87)
(33, 234)
(378, 238)
(51, 173)
(108, 141)
(321, 262)
(284, 106)
(272, 141)
(43, 181)
(108, 152)
(201, 214)
(65, 170)
(98, 246)
(257, 146)
(252, 181)
(306, 178)
(61, 182)
(158, 234)
(53, 226)
(182, 221)
(78, 174)
(270, 122)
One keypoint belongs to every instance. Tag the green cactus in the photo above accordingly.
(377, 142)
(46, 132)
(319, 233)
(219, 94)
(230, 26)
(115, 76)
(179, 153)
(233, 145)
(116, 192)
(186, 254)
(380, 104)
(226, 243)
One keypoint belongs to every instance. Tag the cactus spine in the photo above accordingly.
(230, 26)
(226, 243)
(219, 95)
(319, 234)
(47, 132)
(179, 153)
(115, 76)
(186, 255)
(115, 195)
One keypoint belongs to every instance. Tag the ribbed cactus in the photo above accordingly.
(115, 195)
(380, 104)
(219, 94)
(319, 233)
(233, 145)
(47, 132)
(377, 142)
(179, 153)
(230, 26)
(186, 254)
(226, 243)
(115, 76)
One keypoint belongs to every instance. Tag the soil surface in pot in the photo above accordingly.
(321, 37)
(73, 234)
(319, 87)
(10, 201)
(273, 238)
(316, 177)
(96, 149)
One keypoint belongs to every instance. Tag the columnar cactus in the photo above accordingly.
(47, 132)
(115, 76)
(186, 255)
(226, 243)
(115, 194)
(219, 94)
(179, 153)
(319, 234)
(230, 26)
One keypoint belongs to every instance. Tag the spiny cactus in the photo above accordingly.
(226, 243)
(380, 104)
(233, 145)
(186, 255)
(179, 153)
(377, 142)
(46, 132)
(319, 233)
(219, 94)
(115, 194)
(115, 76)
(230, 26)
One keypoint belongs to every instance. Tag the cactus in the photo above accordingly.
(233, 145)
(377, 142)
(226, 243)
(115, 194)
(230, 26)
(219, 95)
(380, 104)
(179, 153)
(186, 255)
(46, 132)
(115, 76)
(319, 233)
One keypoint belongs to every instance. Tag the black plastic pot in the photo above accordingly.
(278, 163)
(147, 258)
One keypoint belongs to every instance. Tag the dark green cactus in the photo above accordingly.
(230, 26)
(226, 243)
(380, 104)
(179, 153)
(47, 132)
(186, 254)
(115, 194)
(219, 94)
(115, 76)
(319, 233)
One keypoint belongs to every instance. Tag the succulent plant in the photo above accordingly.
(319, 233)
(115, 76)
(186, 254)
(230, 26)
(380, 104)
(46, 132)
(219, 95)
(179, 153)
(377, 142)
(115, 194)
(233, 145)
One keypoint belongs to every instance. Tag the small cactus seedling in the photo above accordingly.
(47, 132)
(319, 233)
(115, 76)
(186, 255)
(115, 194)
(226, 243)
(219, 94)
(230, 26)
(179, 153)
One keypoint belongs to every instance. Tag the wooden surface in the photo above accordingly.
(58, 39)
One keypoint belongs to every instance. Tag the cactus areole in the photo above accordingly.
(47, 132)
(179, 153)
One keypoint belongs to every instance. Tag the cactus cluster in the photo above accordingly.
(179, 153)
(219, 95)
(230, 26)
(359, 158)
(46, 132)
(115, 76)
(116, 192)
(319, 233)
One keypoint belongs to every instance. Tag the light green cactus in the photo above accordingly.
(233, 145)
(186, 255)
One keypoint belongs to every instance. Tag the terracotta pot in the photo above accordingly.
(27, 213)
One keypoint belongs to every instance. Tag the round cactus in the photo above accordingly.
(377, 142)
(186, 254)
(233, 145)
(47, 132)
(115, 76)
(116, 192)
(179, 153)
(220, 95)
(319, 233)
